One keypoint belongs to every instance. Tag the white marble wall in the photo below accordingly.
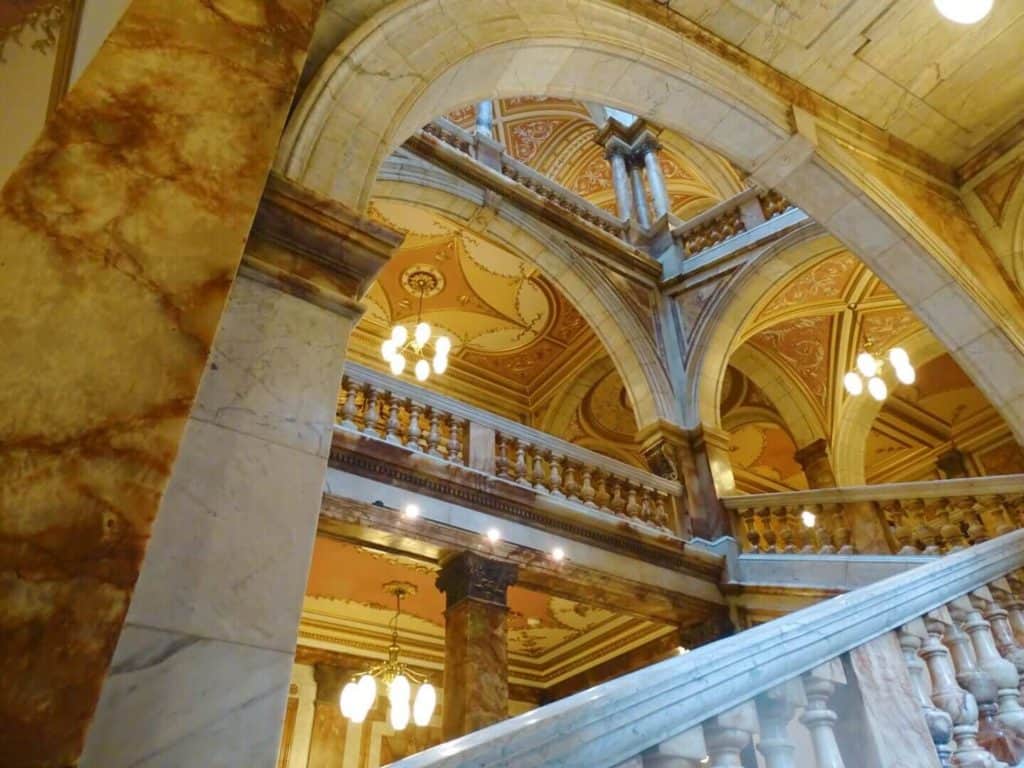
(200, 674)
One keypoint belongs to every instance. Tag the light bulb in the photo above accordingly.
(411, 511)
(854, 383)
(388, 349)
(399, 690)
(493, 535)
(423, 706)
(906, 374)
(964, 11)
(397, 364)
(422, 370)
(359, 714)
(440, 364)
(398, 715)
(399, 335)
(443, 345)
(877, 388)
(422, 334)
(349, 699)
(367, 692)
(866, 364)
(808, 518)
(898, 357)
(558, 554)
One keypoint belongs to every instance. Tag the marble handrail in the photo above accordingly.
(930, 517)
(712, 701)
(728, 219)
(400, 412)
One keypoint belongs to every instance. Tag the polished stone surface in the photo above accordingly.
(120, 233)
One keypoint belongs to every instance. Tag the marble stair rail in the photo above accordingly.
(743, 691)
(390, 409)
(930, 518)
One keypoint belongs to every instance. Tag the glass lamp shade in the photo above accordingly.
(964, 11)
(440, 363)
(866, 364)
(443, 345)
(399, 691)
(398, 715)
(349, 699)
(388, 349)
(422, 370)
(853, 383)
(397, 364)
(898, 357)
(423, 706)
(399, 335)
(877, 388)
(367, 692)
(422, 334)
(906, 374)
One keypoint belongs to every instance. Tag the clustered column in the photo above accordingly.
(632, 152)
(476, 646)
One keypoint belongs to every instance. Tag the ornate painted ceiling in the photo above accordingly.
(549, 638)
(556, 137)
(804, 337)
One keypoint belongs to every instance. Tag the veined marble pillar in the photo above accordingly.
(621, 183)
(485, 118)
(706, 468)
(120, 235)
(327, 744)
(201, 671)
(476, 647)
(817, 464)
(655, 178)
(636, 178)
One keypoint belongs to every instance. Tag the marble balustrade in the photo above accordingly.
(921, 670)
(729, 218)
(928, 518)
(403, 414)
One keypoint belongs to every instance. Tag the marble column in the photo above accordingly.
(476, 647)
(817, 464)
(636, 178)
(655, 177)
(201, 671)
(706, 469)
(485, 118)
(120, 235)
(327, 744)
(620, 182)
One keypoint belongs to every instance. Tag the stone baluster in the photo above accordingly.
(819, 685)
(434, 434)
(821, 531)
(913, 511)
(809, 535)
(587, 488)
(753, 536)
(842, 536)
(728, 734)
(661, 516)
(602, 497)
(1014, 504)
(992, 511)
(1002, 670)
(931, 522)
(617, 502)
(371, 415)
(392, 425)
(950, 697)
(501, 455)
(414, 432)
(790, 533)
(555, 476)
(1006, 591)
(455, 439)
(952, 532)
(538, 471)
(775, 708)
(518, 469)
(897, 519)
(632, 505)
(348, 409)
(976, 532)
(940, 724)
(646, 507)
(764, 522)
(687, 750)
(571, 484)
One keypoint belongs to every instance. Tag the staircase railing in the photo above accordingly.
(404, 414)
(931, 518)
(921, 669)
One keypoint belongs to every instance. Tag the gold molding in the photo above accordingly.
(67, 45)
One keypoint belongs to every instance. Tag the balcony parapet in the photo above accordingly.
(931, 517)
(558, 472)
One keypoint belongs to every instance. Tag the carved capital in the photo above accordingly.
(470, 576)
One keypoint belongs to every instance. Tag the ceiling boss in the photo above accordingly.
(419, 344)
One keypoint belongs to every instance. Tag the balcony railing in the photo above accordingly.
(400, 413)
(933, 517)
(729, 218)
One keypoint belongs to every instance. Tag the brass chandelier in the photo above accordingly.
(401, 344)
(360, 694)
(870, 368)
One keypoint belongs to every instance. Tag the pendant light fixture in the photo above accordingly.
(964, 11)
(868, 374)
(402, 345)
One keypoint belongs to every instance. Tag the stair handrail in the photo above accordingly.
(617, 720)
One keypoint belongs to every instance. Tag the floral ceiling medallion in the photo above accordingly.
(422, 280)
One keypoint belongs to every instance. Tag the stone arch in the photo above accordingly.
(397, 71)
(1017, 243)
(628, 343)
(562, 408)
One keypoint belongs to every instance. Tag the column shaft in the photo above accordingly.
(817, 464)
(121, 230)
(636, 177)
(656, 180)
(485, 118)
(621, 184)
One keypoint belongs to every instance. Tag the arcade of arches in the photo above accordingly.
(657, 234)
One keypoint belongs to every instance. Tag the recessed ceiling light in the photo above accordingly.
(964, 11)
(493, 535)
(411, 511)
(558, 554)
